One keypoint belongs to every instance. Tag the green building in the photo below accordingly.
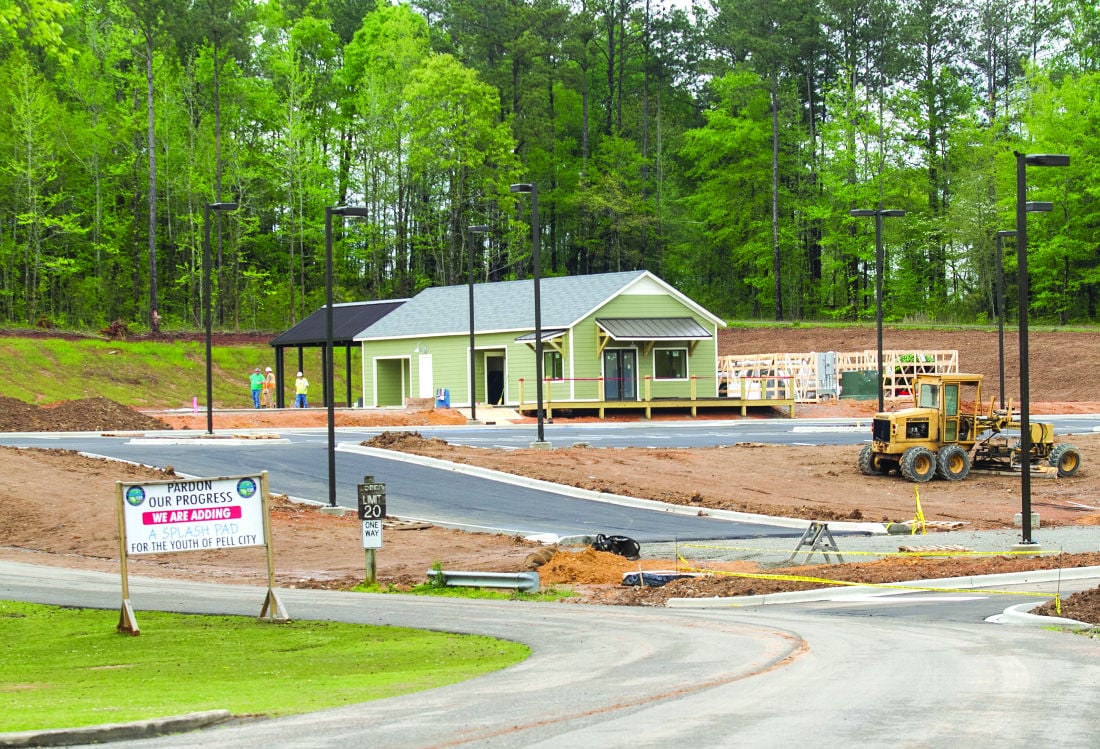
(612, 337)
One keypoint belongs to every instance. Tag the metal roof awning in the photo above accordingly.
(553, 336)
(547, 335)
(649, 330)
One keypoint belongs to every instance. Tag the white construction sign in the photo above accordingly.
(195, 515)
(201, 514)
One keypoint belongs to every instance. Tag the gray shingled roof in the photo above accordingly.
(347, 320)
(500, 307)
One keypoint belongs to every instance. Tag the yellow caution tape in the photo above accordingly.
(918, 519)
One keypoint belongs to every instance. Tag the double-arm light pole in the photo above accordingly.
(878, 213)
(1023, 161)
(329, 359)
(534, 190)
(217, 207)
(471, 231)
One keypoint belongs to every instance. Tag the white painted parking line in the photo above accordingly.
(831, 429)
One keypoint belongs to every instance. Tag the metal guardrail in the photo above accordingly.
(527, 582)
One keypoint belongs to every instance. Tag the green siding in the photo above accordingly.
(581, 364)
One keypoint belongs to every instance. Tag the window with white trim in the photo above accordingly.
(552, 365)
(670, 364)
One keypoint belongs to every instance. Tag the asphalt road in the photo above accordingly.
(694, 433)
(417, 490)
(628, 677)
(297, 466)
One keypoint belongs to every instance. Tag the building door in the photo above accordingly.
(494, 379)
(424, 372)
(620, 372)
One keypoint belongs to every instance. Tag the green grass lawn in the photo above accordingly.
(64, 668)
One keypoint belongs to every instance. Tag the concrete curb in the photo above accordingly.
(974, 582)
(140, 729)
(1020, 616)
(208, 441)
(615, 499)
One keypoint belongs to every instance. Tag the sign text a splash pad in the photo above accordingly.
(195, 515)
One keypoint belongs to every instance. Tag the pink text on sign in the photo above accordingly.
(192, 515)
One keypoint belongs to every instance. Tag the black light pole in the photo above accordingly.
(534, 190)
(878, 213)
(471, 230)
(329, 359)
(206, 296)
(1001, 307)
(1022, 162)
(1029, 207)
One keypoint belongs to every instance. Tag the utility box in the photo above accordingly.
(826, 385)
(442, 398)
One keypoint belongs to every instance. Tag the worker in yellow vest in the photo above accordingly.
(301, 388)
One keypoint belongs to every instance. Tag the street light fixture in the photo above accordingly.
(1023, 161)
(329, 358)
(878, 213)
(218, 207)
(534, 190)
(471, 230)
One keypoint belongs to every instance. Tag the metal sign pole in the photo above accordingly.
(372, 508)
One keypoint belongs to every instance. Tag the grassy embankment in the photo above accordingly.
(148, 374)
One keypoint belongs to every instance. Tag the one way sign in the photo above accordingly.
(372, 534)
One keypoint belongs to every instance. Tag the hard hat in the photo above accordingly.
(257, 369)
(269, 369)
(299, 374)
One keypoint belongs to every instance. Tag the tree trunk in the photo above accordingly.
(776, 268)
(154, 316)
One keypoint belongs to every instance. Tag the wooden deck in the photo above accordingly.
(750, 394)
(691, 405)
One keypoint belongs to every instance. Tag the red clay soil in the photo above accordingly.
(316, 550)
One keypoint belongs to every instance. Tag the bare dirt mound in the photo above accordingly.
(84, 415)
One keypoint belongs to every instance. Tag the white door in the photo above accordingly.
(427, 384)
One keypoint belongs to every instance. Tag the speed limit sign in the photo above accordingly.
(372, 499)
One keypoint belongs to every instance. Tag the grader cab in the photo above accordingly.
(946, 433)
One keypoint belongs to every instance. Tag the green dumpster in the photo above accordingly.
(860, 385)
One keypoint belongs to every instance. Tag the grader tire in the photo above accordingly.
(871, 464)
(918, 464)
(1066, 459)
(953, 463)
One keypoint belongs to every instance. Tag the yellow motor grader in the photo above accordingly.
(946, 433)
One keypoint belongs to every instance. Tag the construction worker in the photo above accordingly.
(301, 387)
(269, 389)
(256, 382)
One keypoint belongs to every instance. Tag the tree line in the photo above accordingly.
(721, 145)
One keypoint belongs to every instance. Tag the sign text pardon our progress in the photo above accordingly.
(167, 516)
